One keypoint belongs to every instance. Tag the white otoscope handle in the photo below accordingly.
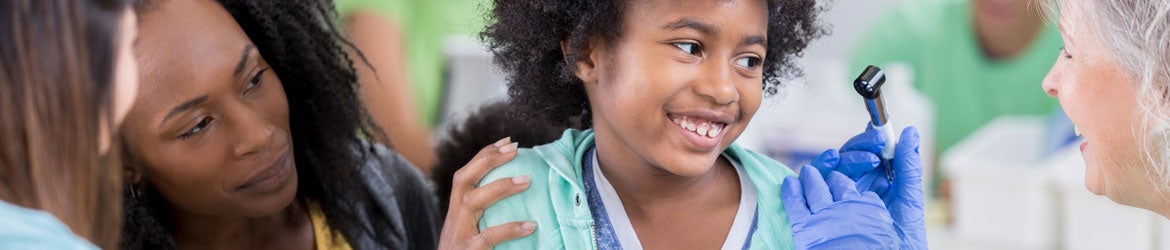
(888, 152)
(888, 130)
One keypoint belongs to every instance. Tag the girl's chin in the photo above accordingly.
(692, 166)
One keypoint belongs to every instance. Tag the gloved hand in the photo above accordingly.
(904, 199)
(859, 159)
(833, 215)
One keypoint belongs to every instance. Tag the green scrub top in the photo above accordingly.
(937, 39)
(425, 23)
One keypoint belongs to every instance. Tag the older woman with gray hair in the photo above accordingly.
(1113, 80)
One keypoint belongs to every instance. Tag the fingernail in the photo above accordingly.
(520, 179)
(528, 226)
(501, 142)
(509, 148)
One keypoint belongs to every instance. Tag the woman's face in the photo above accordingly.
(680, 84)
(1101, 99)
(211, 131)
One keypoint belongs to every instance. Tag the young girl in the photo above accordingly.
(666, 87)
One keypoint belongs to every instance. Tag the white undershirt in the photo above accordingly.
(740, 227)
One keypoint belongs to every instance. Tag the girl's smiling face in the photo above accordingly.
(680, 83)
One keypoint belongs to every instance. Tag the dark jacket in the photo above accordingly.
(404, 210)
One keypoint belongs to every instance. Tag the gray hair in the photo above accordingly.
(1137, 35)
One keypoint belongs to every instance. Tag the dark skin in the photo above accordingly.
(210, 133)
(700, 59)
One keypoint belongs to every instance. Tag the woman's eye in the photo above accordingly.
(689, 47)
(1064, 53)
(748, 62)
(198, 128)
(255, 81)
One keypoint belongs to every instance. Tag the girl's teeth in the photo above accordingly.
(1077, 130)
(702, 129)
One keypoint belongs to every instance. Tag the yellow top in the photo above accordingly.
(322, 233)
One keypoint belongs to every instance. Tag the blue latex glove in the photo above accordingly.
(905, 199)
(859, 160)
(829, 213)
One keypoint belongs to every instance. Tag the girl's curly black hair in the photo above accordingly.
(326, 115)
(525, 37)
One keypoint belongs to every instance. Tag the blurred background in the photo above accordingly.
(1002, 167)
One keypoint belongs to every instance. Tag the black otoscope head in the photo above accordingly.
(869, 83)
(869, 86)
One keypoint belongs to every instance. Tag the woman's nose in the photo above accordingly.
(256, 135)
(1051, 83)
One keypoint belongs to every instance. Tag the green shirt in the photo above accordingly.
(425, 23)
(937, 39)
(556, 198)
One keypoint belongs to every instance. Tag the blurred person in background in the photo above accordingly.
(1112, 78)
(67, 80)
(403, 84)
(973, 59)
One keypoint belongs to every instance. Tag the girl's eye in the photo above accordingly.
(689, 47)
(750, 62)
(198, 128)
(1064, 53)
(255, 81)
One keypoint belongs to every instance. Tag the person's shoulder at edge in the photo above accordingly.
(393, 168)
(535, 203)
(23, 228)
(402, 192)
(537, 161)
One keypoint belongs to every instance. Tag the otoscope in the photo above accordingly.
(869, 85)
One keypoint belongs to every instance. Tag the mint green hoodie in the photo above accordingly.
(556, 199)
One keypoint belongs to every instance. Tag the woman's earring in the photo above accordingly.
(135, 192)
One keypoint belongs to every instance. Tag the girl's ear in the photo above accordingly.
(585, 68)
